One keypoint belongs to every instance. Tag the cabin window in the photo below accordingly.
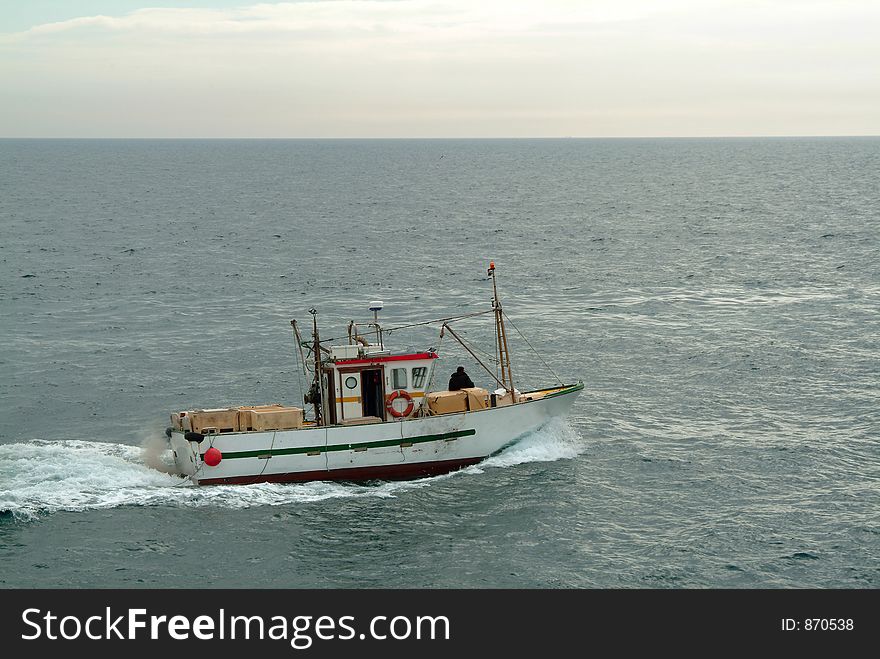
(351, 382)
(398, 378)
(419, 374)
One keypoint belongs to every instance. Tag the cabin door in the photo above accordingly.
(350, 394)
(373, 392)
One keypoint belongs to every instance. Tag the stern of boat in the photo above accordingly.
(186, 453)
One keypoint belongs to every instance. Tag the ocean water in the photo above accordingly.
(720, 298)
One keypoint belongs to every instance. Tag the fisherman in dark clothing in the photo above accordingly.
(460, 380)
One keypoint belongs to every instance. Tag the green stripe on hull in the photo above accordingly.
(347, 447)
(567, 390)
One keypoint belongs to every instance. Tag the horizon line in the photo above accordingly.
(415, 137)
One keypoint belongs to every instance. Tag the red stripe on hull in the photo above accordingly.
(387, 358)
(384, 472)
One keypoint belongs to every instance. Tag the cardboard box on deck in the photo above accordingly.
(446, 402)
(504, 398)
(477, 398)
(463, 400)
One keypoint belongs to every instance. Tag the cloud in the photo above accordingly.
(371, 16)
(432, 67)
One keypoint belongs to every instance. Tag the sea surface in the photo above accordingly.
(720, 298)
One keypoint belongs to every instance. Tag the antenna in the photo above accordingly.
(376, 307)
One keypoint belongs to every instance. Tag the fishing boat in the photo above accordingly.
(375, 414)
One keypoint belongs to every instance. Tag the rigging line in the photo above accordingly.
(473, 354)
(430, 385)
(426, 322)
(300, 380)
(301, 361)
(440, 320)
(299, 343)
(558, 379)
(302, 386)
(489, 358)
(268, 455)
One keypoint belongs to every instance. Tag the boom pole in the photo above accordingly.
(472, 353)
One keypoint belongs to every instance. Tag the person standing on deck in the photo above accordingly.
(460, 380)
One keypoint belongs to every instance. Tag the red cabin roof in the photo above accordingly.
(387, 358)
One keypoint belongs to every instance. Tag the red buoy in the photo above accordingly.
(213, 457)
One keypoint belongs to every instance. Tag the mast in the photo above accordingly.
(318, 386)
(501, 335)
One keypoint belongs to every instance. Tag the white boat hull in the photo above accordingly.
(394, 450)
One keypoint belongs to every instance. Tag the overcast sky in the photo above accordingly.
(439, 68)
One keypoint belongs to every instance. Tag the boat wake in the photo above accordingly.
(555, 441)
(41, 477)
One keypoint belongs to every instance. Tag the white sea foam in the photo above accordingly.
(555, 441)
(40, 477)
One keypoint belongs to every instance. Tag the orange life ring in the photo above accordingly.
(399, 393)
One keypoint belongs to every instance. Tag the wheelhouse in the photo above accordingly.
(367, 384)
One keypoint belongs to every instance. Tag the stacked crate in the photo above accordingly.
(238, 419)
(270, 417)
